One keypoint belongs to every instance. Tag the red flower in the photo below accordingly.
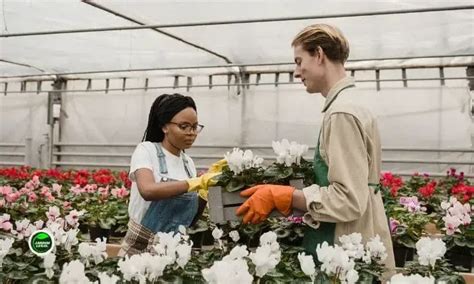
(123, 175)
(394, 183)
(463, 191)
(428, 190)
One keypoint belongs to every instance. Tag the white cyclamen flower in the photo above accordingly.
(73, 273)
(430, 250)
(48, 263)
(234, 235)
(411, 279)
(5, 246)
(229, 272)
(352, 244)
(376, 249)
(288, 153)
(104, 278)
(238, 160)
(184, 254)
(96, 252)
(238, 252)
(335, 260)
(307, 265)
(167, 243)
(265, 259)
(217, 233)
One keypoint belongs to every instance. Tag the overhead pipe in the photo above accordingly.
(234, 22)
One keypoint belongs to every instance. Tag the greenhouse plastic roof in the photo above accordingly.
(405, 35)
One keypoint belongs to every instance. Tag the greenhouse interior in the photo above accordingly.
(233, 191)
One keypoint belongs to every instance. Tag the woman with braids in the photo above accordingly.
(165, 190)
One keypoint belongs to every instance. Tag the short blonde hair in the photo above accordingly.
(329, 38)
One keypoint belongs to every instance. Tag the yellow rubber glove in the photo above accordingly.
(217, 166)
(201, 184)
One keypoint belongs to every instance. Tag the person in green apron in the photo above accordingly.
(347, 161)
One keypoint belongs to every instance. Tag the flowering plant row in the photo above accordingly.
(172, 257)
(423, 205)
(245, 169)
(100, 195)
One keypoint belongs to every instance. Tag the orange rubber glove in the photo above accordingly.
(263, 199)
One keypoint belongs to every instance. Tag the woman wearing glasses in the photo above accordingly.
(165, 191)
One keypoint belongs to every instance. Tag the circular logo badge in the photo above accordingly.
(41, 242)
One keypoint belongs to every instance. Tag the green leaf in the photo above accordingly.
(234, 185)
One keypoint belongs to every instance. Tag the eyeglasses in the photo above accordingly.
(188, 128)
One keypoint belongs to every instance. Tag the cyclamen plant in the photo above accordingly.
(431, 262)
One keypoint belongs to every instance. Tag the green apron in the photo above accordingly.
(326, 231)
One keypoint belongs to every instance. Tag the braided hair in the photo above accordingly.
(162, 111)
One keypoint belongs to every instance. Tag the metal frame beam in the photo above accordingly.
(251, 65)
(233, 22)
(238, 85)
(103, 8)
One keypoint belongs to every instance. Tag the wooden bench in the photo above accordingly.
(223, 204)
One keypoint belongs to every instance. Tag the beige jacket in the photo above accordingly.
(350, 146)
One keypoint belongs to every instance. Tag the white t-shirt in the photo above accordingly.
(145, 156)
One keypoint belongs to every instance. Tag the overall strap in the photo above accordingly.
(161, 159)
(186, 166)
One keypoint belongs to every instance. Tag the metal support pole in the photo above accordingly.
(54, 110)
(234, 22)
(441, 76)
(377, 79)
(404, 77)
(28, 151)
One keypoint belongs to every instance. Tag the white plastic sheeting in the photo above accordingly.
(382, 36)
(422, 115)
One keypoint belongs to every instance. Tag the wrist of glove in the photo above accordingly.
(201, 184)
(263, 199)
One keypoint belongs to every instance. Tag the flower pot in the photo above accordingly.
(402, 254)
(207, 238)
(97, 232)
(460, 257)
(117, 234)
(83, 228)
(197, 239)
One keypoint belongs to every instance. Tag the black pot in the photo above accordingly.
(83, 228)
(116, 234)
(207, 238)
(402, 254)
(197, 239)
(97, 232)
(461, 258)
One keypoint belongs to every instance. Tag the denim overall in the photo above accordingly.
(167, 214)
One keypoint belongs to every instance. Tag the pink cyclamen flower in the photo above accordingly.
(451, 224)
(32, 197)
(90, 188)
(57, 188)
(104, 191)
(77, 190)
(393, 225)
(53, 213)
(73, 217)
(12, 197)
(5, 190)
(67, 205)
(5, 223)
(120, 192)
